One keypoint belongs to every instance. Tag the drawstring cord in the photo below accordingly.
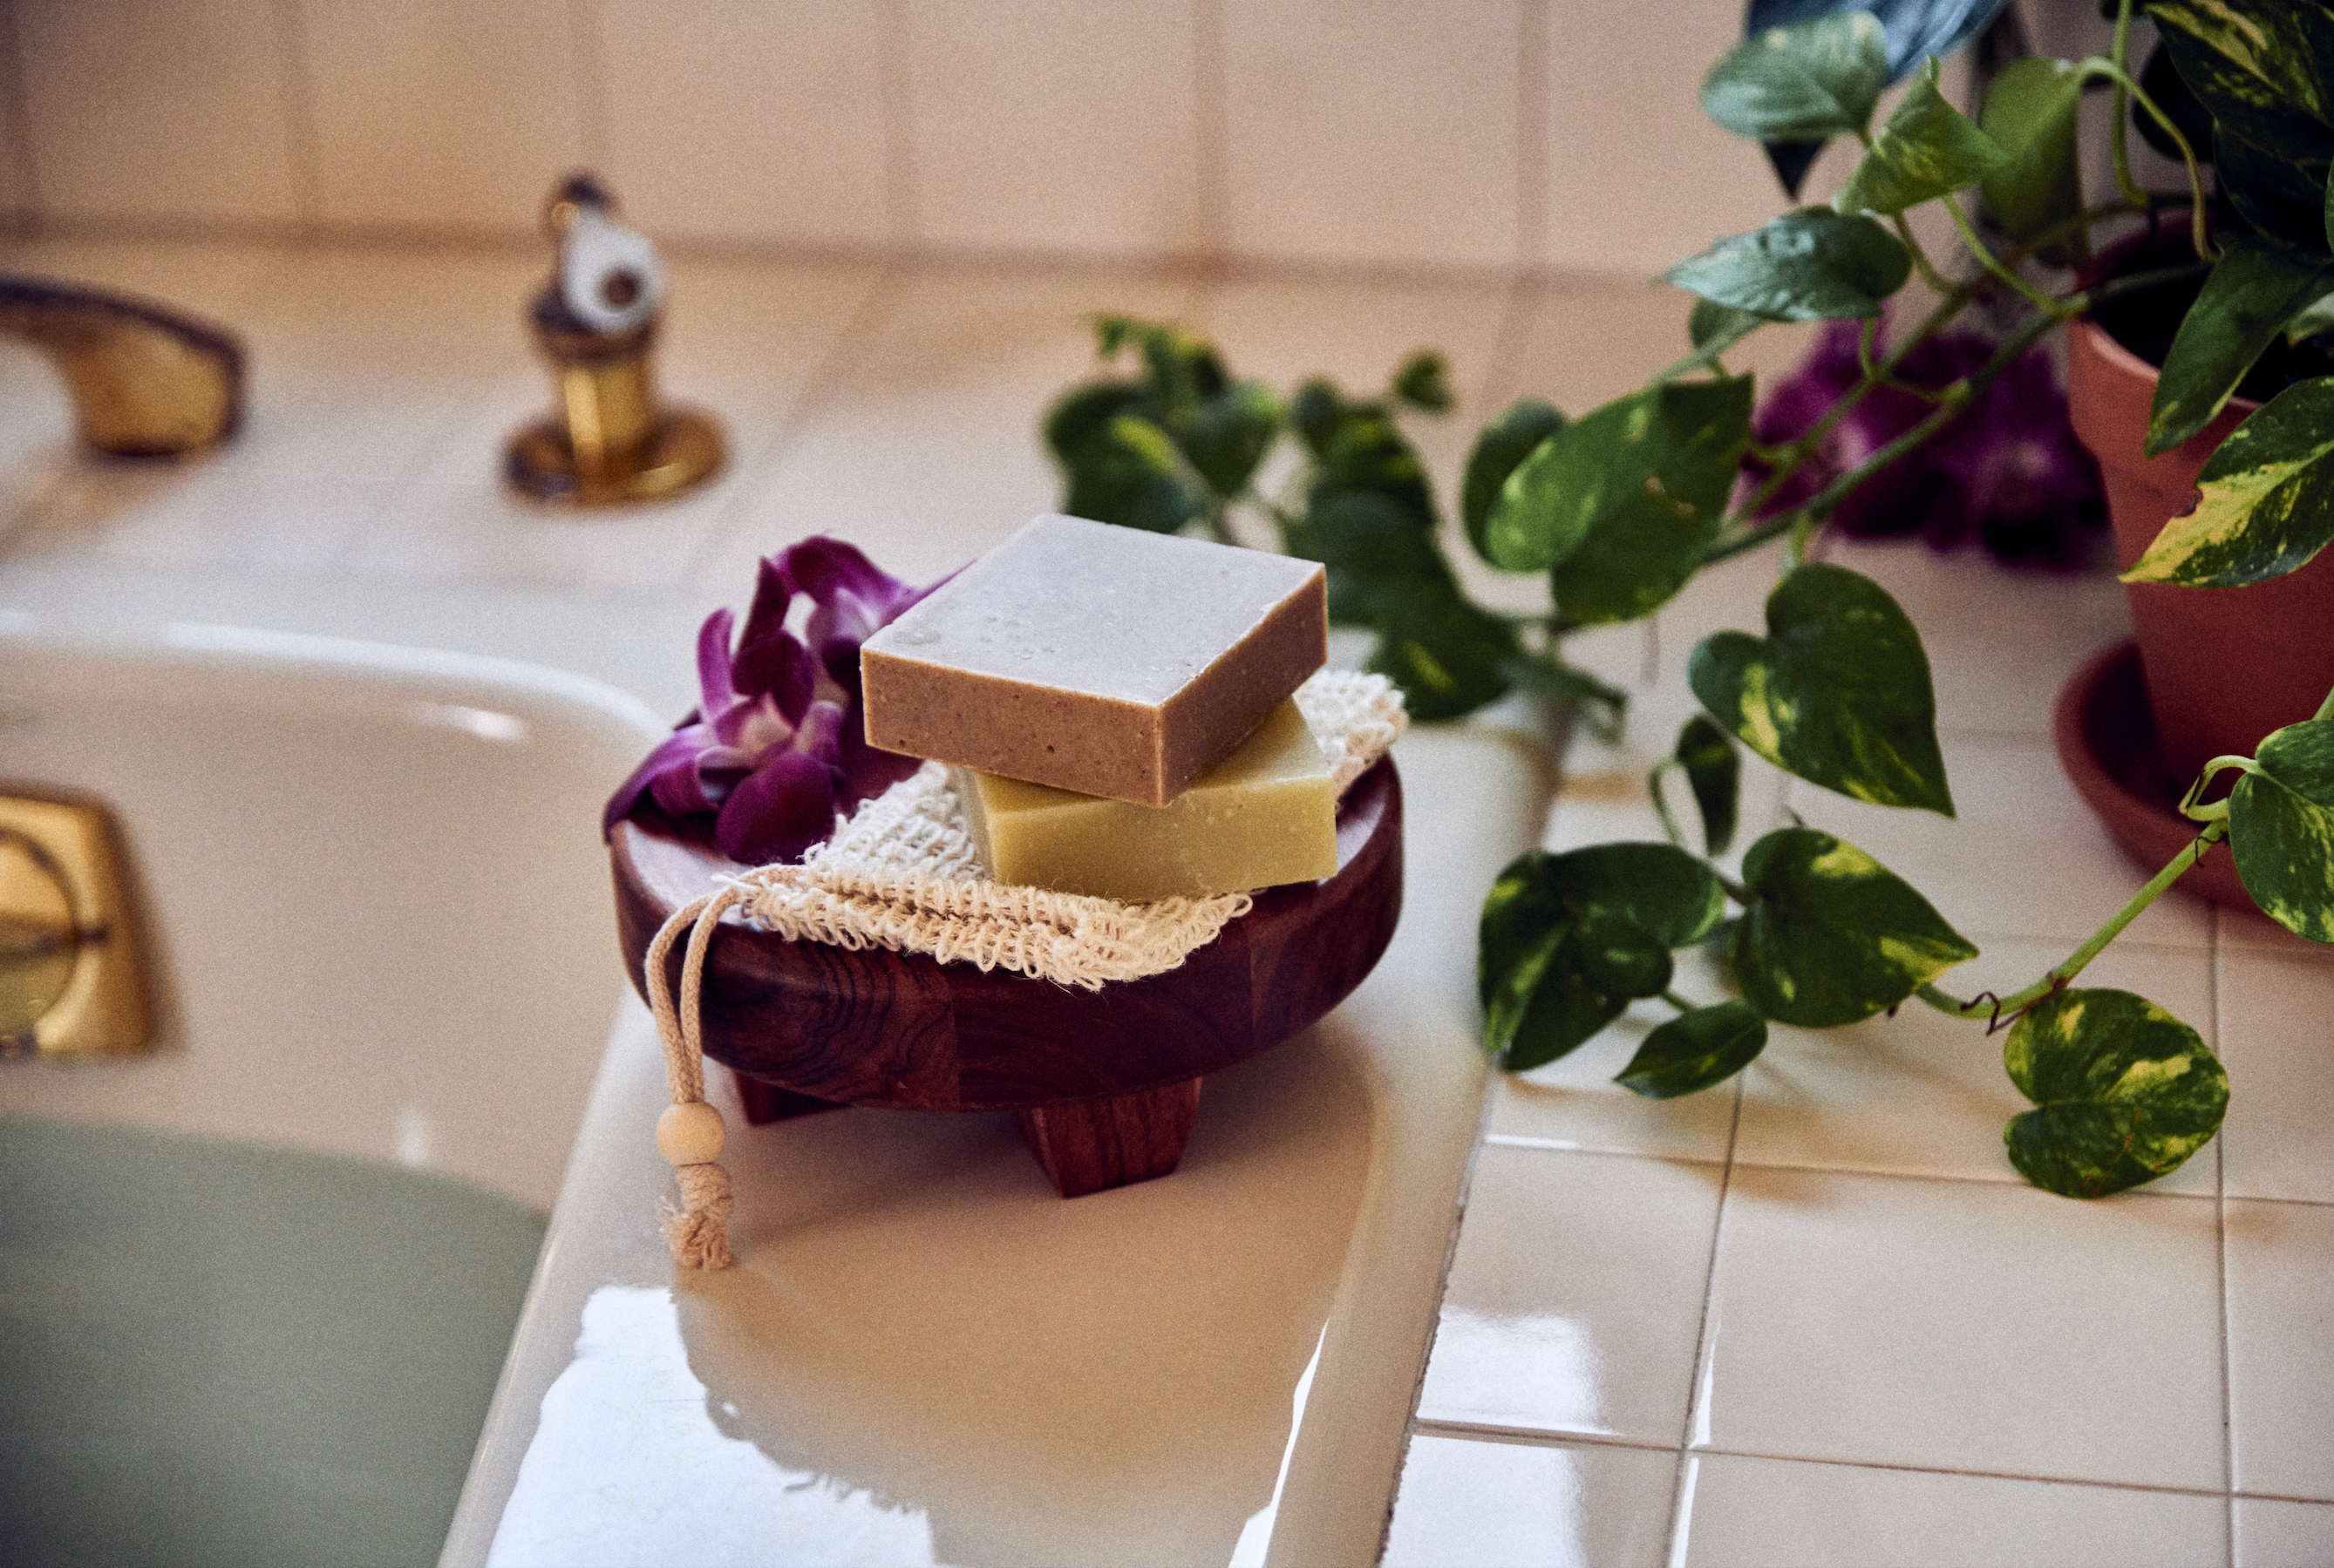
(689, 1132)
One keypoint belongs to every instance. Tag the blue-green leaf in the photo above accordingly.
(2029, 113)
(1695, 1050)
(1129, 472)
(1227, 435)
(1837, 692)
(2266, 506)
(1803, 83)
(1503, 444)
(2124, 1093)
(1833, 935)
(1422, 381)
(1809, 264)
(2281, 829)
(1567, 940)
(2252, 291)
(1714, 774)
(1927, 149)
(1623, 502)
(1659, 887)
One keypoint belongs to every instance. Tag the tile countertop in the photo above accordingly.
(1810, 1317)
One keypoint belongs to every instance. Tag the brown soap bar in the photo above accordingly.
(1095, 658)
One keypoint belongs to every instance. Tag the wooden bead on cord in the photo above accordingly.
(690, 1133)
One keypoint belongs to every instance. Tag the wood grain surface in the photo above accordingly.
(900, 1030)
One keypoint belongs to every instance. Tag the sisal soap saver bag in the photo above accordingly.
(901, 874)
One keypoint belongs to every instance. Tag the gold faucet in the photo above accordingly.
(595, 321)
(72, 969)
(145, 381)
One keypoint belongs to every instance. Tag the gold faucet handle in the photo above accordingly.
(145, 380)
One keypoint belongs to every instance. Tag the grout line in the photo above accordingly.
(1870, 1172)
(303, 147)
(1532, 46)
(1212, 129)
(18, 111)
(1697, 1393)
(2220, 1254)
(1546, 1438)
(1538, 1436)
(897, 91)
(590, 83)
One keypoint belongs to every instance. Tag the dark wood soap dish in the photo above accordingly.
(1105, 1082)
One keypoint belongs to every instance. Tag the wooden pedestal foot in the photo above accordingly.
(766, 1102)
(1089, 1145)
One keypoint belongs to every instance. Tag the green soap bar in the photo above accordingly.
(1265, 815)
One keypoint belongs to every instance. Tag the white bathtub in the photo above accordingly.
(255, 1286)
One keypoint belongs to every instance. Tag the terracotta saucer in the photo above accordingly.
(2107, 743)
(1105, 1082)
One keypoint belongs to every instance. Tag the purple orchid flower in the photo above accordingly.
(776, 746)
(2007, 472)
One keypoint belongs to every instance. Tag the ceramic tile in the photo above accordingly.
(2280, 1262)
(1557, 1505)
(1055, 125)
(2274, 1011)
(1637, 141)
(159, 109)
(1924, 1094)
(1371, 131)
(1756, 1513)
(751, 119)
(1574, 1104)
(2024, 857)
(18, 199)
(2272, 1533)
(2001, 642)
(2250, 928)
(1965, 1326)
(924, 450)
(211, 279)
(437, 114)
(1533, 1337)
(207, 512)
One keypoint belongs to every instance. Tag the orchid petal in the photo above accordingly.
(775, 664)
(777, 811)
(774, 596)
(674, 759)
(714, 684)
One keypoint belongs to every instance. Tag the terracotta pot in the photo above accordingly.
(2223, 665)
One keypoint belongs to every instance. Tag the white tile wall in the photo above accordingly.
(1448, 134)
(1374, 130)
(754, 121)
(159, 110)
(1055, 125)
(440, 114)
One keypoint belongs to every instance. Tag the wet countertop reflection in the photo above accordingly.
(924, 1355)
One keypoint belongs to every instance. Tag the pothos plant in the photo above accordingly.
(1621, 507)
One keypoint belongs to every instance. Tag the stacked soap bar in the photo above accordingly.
(1105, 693)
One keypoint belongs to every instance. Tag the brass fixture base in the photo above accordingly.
(73, 975)
(683, 452)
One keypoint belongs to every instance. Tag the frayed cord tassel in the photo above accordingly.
(689, 1132)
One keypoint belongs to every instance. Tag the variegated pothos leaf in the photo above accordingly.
(2123, 1092)
(1837, 692)
(2266, 505)
(2281, 829)
(1832, 934)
